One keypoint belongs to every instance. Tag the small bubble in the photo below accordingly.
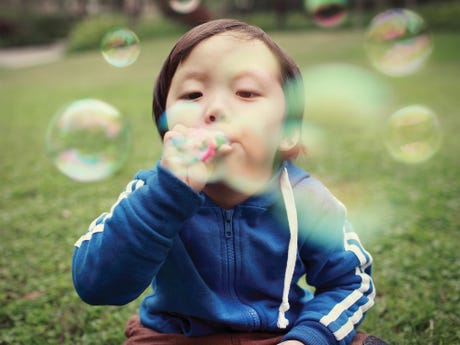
(188, 114)
(184, 6)
(327, 13)
(120, 47)
(398, 42)
(413, 134)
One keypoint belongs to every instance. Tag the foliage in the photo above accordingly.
(19, 29)
(151, 28)
(406, 214)
(442, 16)
(31, 28)
(88, 33)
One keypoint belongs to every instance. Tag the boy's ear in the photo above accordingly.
(288, 143)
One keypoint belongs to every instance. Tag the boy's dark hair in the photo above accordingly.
(291, 77)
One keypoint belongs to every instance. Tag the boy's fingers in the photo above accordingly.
(224, 149)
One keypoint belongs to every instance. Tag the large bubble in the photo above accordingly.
(327, 13)
(413, 134)
(398, 42)
(314, 138)
(88, 140)
(120, 47)
(345, 94)
(184, 6)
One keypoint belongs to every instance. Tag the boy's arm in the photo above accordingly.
(338, 267)
(115, 261)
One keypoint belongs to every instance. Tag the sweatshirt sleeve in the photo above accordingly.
(337, 266)
(123, 249)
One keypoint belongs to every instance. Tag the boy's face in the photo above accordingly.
(236, 83)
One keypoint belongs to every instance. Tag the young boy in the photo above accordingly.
(224, 238)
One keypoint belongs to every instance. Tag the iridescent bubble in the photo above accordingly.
(314, 139)
(197, 144)
(398, 42)
(120, 47)
(188, 114)
(200, 143)
(413, 134)
(327, 13)
(184, 6)
(339, 93)
(88, 140)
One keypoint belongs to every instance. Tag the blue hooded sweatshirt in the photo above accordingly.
(215, 270)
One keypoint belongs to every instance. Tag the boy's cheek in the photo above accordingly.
(263, 134)
(248, 153)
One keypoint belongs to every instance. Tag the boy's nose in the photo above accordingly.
(215, 109)
(213, 117)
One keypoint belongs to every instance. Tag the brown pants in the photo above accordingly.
(137, 334)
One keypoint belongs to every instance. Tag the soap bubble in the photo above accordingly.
(198, 144)
(345, 94)
(398, 42)
(184, 6)
(120, 47)
(188, 114)
(327, 13)
(200, 141)
(413, 134)
(88, 140)
(314, 138)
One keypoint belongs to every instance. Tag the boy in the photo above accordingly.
(224, 240)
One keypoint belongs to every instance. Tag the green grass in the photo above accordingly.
(407, 215)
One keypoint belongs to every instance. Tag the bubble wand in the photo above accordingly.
(201, 146)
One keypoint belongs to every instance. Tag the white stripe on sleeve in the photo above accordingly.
(97, 225)
(366, 289)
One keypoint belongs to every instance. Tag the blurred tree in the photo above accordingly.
(80, 7)
(281, 8)
(135, 6)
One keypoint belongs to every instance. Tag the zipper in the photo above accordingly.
(231, 266)
(228, 225)
(229, 251)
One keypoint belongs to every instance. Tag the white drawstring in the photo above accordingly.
(289, 203)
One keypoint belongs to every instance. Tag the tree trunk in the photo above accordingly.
(281, 9)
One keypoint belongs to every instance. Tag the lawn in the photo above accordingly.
(406, 214)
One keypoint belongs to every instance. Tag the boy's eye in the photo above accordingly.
(191, 95)
(246, 94)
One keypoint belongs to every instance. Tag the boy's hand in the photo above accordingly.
(190, 153)
(291, 342)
